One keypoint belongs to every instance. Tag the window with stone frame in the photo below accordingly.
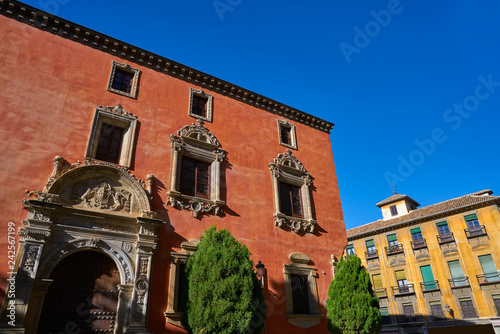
(291, 192)
(177, 290)
(286, 134)
(112, 136)
(437, 310)
(123, 79)
(496, 302)
(195, 173)
(301, 291)
(468, 309)
(408, 311)
(200, 104)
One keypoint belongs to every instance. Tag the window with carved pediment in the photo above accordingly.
(292, 197)
(112, 135)
(195, 173)
(200, 104)
(123, 79)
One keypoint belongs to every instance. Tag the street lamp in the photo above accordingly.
(450, 311)
(261, 270)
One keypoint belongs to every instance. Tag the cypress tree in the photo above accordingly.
(224, 294)
(352, 306)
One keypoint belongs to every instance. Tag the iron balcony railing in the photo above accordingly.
(429, 286)
(371, 254)
(417, 244)
(380, 293)
(394, 249)
(459, 282)
(488, 278)
(445, 238)
(473, 232)
(403, 289)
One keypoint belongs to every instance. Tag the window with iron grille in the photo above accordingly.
(468, 309)
(200, 104)
(437, 311)
(286, 133)
(408, 310)
(195, 178)
(290, 201)
(123, 79)
(300, 294)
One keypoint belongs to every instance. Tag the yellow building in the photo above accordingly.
(435, 268)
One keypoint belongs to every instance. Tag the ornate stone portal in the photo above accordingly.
(87, 206)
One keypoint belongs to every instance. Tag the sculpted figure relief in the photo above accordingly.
(105, 197)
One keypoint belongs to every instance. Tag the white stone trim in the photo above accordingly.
(209, 98)
(133, 85)
(293, 137)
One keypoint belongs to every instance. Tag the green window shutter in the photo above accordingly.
(384, 311)
(415, 230)
(495, 297)
(455, 269)
(400, 275)
(370, 243)
(470, 217)
(427, 273)
(441, 224)
(349, 247)
(392, 237)
(377, 282)
(487, 264)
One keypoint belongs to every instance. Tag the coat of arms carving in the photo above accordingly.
(105, 197)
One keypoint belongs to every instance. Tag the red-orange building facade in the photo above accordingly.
(117, 159)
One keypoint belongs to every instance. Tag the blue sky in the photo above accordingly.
(412, 86)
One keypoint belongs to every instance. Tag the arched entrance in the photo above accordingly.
(83, 296)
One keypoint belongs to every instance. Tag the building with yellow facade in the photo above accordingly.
(435, 268)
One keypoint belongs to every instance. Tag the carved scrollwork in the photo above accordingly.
(194, 205)
(198, 132)
(287, 159)
(295, 224)
(118, 110)
(45, 197)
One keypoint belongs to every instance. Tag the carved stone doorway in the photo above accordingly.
(83, 296)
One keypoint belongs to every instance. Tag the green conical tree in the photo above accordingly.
(352, 306)
(225, 295)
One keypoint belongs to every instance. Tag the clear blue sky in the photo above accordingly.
(412, 86)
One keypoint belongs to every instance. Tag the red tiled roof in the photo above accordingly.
(395, 198)
(482, 198)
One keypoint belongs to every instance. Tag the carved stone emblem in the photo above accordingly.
(105, 197)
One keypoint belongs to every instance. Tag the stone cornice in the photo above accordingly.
(77, 33)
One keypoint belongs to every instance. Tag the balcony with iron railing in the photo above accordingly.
(394, 249)
(474, 232)
(429, 286)
(488, 278)
(371, 254)
(459, 282)
(446, 238)
(419, 244)
(380, 293)
(406, 289)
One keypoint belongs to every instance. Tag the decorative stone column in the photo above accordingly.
(174, 167)
(38, 293)
(145, 245)
(125, 292)
(34, 232)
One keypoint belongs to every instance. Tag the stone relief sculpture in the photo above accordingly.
(105, 197)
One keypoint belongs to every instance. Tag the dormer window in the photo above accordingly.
(394, 210)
